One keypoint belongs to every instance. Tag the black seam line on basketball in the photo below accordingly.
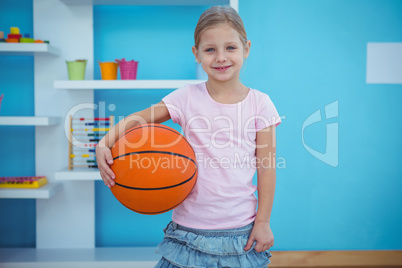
(164, 127)
(155, 152)
(161, 126)
(161, 211)
(149, 125)
(160, 188)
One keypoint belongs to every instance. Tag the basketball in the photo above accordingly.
(155, 168)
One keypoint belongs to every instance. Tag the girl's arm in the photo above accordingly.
(157, 113)
(266, 180)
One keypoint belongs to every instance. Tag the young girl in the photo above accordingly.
(232, 131)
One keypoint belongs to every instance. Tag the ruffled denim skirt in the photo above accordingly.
(198, 248)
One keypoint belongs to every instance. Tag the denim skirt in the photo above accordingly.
(185, 247)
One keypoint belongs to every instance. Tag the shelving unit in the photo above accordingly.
(78, 174)
(122, 84)
(29, 120)
(142, 257)
(232, 3)
(67, 220)
(28, 49)
(44, 192)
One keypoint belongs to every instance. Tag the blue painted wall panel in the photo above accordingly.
(17, 158)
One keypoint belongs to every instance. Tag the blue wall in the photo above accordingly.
(308, 54)
(17, 157)
(305, 55)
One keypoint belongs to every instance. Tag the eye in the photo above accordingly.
(209, 50)
(231, 48)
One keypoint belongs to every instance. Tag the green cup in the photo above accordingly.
(76, 69)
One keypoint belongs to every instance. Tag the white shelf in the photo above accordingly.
(29, 120)
(78, 174)
(122, 84)
(28, 49)
(149, 2)
(144, 257)
(44, 192)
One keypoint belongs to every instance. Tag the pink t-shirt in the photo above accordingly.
(223, 137)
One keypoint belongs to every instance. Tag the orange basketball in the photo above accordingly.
(155, 169)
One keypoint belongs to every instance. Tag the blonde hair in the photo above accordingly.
(216, 15)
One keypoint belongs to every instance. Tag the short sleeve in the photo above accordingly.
(267, 115)
(175, 103)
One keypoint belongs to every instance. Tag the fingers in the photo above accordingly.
(109, 157)
(259, 247)
(261, 236)
(109, 182)
(249, 243)
(107, 175)
(105, 159)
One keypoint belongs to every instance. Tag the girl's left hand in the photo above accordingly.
(263, 235)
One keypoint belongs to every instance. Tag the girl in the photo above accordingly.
(232, 131)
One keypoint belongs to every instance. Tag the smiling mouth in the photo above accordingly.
(222, 68)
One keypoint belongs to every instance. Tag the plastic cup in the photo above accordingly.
(108, 70)
(128, 69)
(76, 69)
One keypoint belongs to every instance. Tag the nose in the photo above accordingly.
(221, 56)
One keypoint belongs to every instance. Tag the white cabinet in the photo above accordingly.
(21, 49)
(78, 174)
(122, 84)
(29, 120)
(232, 3)
(28, 49)
(44, 192)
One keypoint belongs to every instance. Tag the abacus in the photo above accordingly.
(22, 182)
(90, 131)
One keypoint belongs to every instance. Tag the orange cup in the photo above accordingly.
(108, 70)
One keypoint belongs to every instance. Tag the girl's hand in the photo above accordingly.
(104, 159)
(263, 235)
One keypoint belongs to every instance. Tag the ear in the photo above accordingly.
(247, 49)
(195, 52)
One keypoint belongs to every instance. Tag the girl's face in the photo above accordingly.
(221, 52)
